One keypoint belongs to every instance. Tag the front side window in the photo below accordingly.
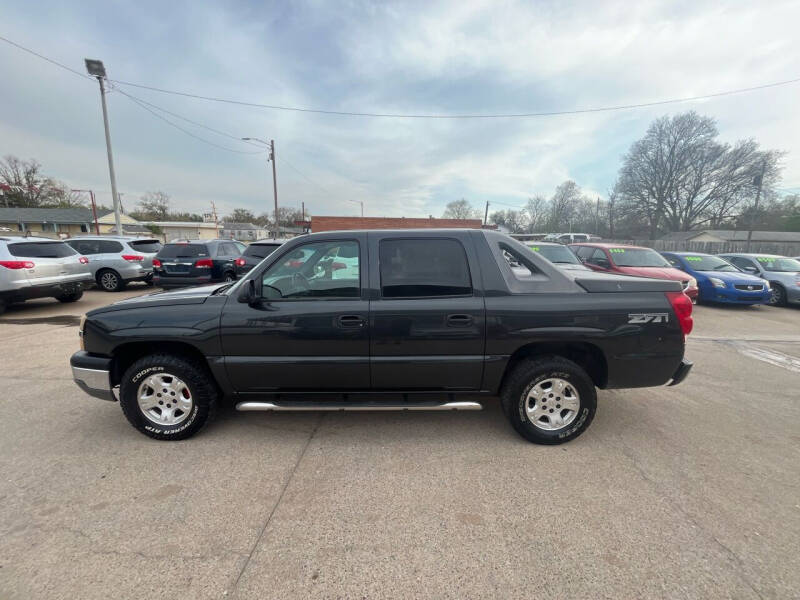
(599, 258)
(317, 270)
(556, 254)
(413, 268)
(742, 263)
(584, 252)
(260, 250)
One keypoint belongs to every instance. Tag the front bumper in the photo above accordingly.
(174, 281)
(92, 374)
(682, 372)
(733, 296)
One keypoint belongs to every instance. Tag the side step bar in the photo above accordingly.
(360, 406)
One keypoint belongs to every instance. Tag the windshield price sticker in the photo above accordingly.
(765, 259)
(694, 258)
(535, 248)
(617, 250)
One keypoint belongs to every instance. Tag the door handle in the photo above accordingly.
(351, 321)
(459, 320)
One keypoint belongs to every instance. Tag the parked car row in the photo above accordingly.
(737, 278)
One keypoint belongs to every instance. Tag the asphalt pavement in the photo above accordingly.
(678, 492)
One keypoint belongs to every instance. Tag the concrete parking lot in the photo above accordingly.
(684, 492)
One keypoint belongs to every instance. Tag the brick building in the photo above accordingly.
(340, 223)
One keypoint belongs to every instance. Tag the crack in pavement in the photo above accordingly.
(278, 501)
(627, 451)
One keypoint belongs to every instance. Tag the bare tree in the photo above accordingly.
(240, 215)
(537, 212)
(513, 220)
(679, 176)
(460, 209)
(24, 186)
(153, 206)
(564, 205)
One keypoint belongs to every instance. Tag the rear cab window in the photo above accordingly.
(260, 250)
(421, 268)
(41, 250)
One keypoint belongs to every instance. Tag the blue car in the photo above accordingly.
(718, 280)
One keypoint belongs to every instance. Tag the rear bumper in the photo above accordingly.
(168, 281)
(92, 375)
(50, 290)
(682, 372)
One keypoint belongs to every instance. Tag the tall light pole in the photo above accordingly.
(96, 69)
(271, 157)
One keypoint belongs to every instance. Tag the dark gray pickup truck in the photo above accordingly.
(388, 320)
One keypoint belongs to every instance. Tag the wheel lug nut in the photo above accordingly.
(551, 410)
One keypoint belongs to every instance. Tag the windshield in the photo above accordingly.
(709, 263)
(637, 257)
(556, 254)
(780, 264)
(260, 250)
(183, 251)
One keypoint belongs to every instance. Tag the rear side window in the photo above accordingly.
(96, 246)
(183, 251)
(584, 252)
(146, 246)
(260, 250)
(41, 250)
(423, 267)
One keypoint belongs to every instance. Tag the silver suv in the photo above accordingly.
(115, 261)
(32, 267)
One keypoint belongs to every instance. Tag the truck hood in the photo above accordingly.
(656, 272)
(190, 295)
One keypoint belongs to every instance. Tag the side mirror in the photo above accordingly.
(247, 295)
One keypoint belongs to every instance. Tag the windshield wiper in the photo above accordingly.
(222, 288)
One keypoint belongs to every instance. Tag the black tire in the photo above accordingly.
(203, 394)
(229, 277)
(3, 306)
(778, 295)
(109, 280)
(532, 372)
(72, 297)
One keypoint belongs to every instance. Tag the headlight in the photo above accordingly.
(80, 331)
(717, 282)
(767, 286)
(692, 282)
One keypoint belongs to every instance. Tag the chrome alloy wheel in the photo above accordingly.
(109, 281)
(165, 399)
(552, 404)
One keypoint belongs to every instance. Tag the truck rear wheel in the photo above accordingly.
(549, 400)
(167, 397)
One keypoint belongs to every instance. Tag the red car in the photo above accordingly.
(633, 260)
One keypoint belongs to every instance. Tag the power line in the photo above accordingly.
(423, 116)
(50, 60)
(466, 116)
(186, 131)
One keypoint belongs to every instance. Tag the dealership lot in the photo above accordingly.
(684, 492)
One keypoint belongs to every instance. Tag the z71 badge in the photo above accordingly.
(648, 318)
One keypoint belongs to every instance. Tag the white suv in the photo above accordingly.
(33, 267)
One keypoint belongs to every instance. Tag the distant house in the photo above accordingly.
(130, 226)
(46, 221)
(244, 232)
(185, 230)
(726, 235)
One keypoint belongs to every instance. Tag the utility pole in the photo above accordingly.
(486, 214)
(758, 180)
(274, 187)
(97, 70)
(94, 211)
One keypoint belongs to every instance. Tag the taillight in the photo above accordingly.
(204, 263)
(16, 264)
(239, 262)
(156, 263)
(133, 257)
(682, 306)
(83, 260)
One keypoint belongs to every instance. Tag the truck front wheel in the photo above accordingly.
(167, 397)
(549, 400)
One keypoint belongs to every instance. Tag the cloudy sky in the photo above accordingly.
(408, 57)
